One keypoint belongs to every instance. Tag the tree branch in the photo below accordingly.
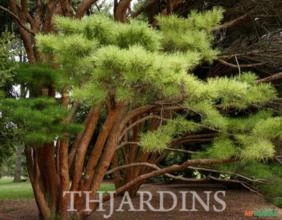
(182, 140)
(127, 143)
(66, 8)
(138, 122)
(18, 20)
(226, 172)
(233, 22)
(24, 9)
(253, 52)
(120, 11)
(236, 181)
(153, 166)
(143, 8)
(170, 169)
(242, 66)
(179, 150)
(279, 159)
(83, 7)
(273, 77)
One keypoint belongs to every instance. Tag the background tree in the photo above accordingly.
(7, 68)
(11, 54)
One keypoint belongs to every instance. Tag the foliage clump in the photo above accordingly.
(136, 65)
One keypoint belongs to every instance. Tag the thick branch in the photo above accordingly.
(83, 7)
(88, 122)
(28, 41)
(25, 11)
(66, 7)
(104, 148)
(120, 11)
(82, 144)
(109, 150)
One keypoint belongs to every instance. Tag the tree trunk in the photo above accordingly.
(18, 164)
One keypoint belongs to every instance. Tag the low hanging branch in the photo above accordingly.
(226, 172)
(170, 169)
(155, 167)
(235, 181)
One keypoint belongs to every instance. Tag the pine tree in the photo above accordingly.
(126, 73)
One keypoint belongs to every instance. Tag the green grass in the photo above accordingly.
(107, 187)
(11, 190)
(23, 190)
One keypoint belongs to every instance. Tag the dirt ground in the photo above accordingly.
(237, 202)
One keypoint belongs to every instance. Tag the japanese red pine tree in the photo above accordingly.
(127, 73)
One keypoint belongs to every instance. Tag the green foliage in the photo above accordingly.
(69, 52)
(8, 133)
(272, 174)
(191, 34)
(135, 48)
(138, 33)
(38, 119)
(247, 123)
(211, 117)
(195, 21)
(257, 149)
(7, 64)
(158, 140)
(269, 128)
(101, 28)
(37, 76)
(11, 190)
(135, 64)
(237, 93)
(222, 148)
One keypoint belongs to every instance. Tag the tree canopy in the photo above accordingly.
(127, 73)
(136, 65)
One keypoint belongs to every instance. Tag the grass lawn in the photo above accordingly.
(23, 190)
